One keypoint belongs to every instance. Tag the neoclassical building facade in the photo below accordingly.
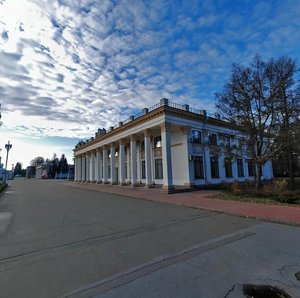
(167, 145)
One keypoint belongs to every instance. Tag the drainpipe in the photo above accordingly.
(204, 154)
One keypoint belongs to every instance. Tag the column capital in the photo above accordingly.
(122, 142)
(147, 132)
(134, 138)
(98, 149)
(165, 126)
(106, 147)
(114, 145)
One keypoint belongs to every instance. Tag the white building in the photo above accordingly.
(170, 145)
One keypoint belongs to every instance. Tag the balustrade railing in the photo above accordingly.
(163, 102)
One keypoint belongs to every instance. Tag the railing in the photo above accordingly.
(163, 102)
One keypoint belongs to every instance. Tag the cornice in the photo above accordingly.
(151, 115)
(163, 110)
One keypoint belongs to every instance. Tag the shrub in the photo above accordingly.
(280, 185)
(235, 188)
(290, 197)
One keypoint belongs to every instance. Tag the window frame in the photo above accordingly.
(198, 160)
(158, 169)
(214, 167)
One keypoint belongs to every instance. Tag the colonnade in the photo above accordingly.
(103, 165)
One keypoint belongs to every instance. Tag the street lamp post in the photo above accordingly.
(7, 147)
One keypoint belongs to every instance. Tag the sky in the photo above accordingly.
(69, 67)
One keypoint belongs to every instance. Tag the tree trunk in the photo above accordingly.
(291, 170)
(258, 182)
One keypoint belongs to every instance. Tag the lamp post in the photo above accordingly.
(7, 147)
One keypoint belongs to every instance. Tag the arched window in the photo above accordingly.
(157, 142)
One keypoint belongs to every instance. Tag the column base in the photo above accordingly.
(123, 183)
(149, 186)
(114, 183)
(106, 182)
(135, 184)
(190, 185)
(99, 182)
(168, 188)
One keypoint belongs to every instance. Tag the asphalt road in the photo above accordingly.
(59, 241)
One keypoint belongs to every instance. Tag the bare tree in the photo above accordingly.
(252, 97)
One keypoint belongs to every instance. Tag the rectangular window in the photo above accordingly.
(198, 167)
(143, 169)
(240, 168)
(214, 167)
(158, 169)
(213, 139)
(196, 136)
(227, 141)
(228, 167)
(250, 167)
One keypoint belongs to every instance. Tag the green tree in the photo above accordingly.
(63, 164)
(18, 169)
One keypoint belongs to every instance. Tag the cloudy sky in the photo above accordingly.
(68, 67)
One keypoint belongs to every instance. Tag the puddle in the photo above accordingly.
(264, 291)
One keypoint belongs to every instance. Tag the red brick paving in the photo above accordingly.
(199, 199)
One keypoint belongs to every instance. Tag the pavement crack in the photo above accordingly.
(232, 289)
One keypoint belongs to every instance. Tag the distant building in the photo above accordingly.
(41, 172)
(169, 145)
(30, 172)
(71, 172)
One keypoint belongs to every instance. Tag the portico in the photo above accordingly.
(166, 145)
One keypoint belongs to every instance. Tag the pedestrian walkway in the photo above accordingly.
(200, 199)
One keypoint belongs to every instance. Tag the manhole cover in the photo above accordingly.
(264, 291)
(298, 275)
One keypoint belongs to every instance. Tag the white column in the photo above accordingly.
(235, 169)
(76, 169)
(98, 166)
(87, 164)
(222, 165)
(128, 163)
(113, 165)
(83, 168)
(105, 162)
(92, 168)
(79, 169)
(206, 153)
(138, 163)
(133, 161)
(148, 158)
(245, 166)
(122, 162)
(166, 156)
(188, 168)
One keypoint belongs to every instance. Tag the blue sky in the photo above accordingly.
(68, 67)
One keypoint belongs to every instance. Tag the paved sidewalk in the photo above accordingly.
(199, 199)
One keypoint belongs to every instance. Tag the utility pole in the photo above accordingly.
(7, 147)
